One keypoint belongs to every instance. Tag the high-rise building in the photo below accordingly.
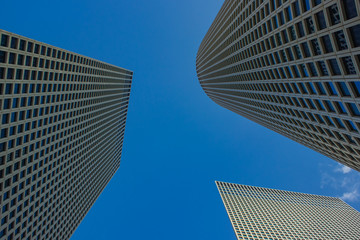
(63, 120)
(292, 66)
(262, 213)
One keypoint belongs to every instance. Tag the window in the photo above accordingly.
(355, 35)
(334, 67)
(327, 44)
(321, 20)
(350, 8)
(14, 42)
(334, 14)
(356, 87)
(4, 40)
(340, 40)
(354, 109)
(306, 5)
(332, 90)
(344, 89)
(296, 8)
(2, 57)
(349, 66)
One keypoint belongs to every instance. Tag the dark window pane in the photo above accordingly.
(310, 25)
(329, 106)
(332, 90)
(334, 14)
(340, 107)
(355, 35)
(2, 72)
(296, 9)
(300, 29)
(327, 44)
(320, 88)
(321, 20)
(316, 47)
(306, 49)
(354, 109)
(312, 69)
(350, 8)
(12, 58)
(356, 87)
(323, 68)
(4, 40)
(316, 2)
(10, 74)
(306, 4)
(22, 45)
(334, 67)
(14, 42)
(2, 57)
(341, 41)
(349, 66)
(344, 89)
(30, 47)
(37, 48)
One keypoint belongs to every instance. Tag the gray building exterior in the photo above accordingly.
(263, 213)
(63, 121)
(292, 66)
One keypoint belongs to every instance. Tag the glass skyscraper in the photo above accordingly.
(62, 128)
(292, 66)
(262, 213)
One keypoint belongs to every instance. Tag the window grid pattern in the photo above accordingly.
(292, 66)
(261, 213)
(63, 121)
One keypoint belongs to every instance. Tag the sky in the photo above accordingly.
(177, 141)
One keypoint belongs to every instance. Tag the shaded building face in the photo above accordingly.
(62, 127)
(262, 213)
(292, 66)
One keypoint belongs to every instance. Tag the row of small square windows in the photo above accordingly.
(335, 107)
(350, 159)
(3, 219)
(313, 139)
(264, 12)
(35, 48)
(279, 20)
(14, 103)
(297, 52)
(25, 74)
(306, 70)
(273, 192)
(37, 165)
(29, 61)
(279, 38)
(12, 131)
(25, 88)
(41, 143)
(335, 122)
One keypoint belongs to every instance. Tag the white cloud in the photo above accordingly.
(351, 196)
(343, 169)
(342, 181)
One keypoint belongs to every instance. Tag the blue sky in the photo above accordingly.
(177, 141)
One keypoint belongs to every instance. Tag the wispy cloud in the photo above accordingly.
(344, 181)
(343, 169)
(351, 196)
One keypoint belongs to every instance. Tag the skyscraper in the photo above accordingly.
(262, 213)
(63, 120)
(292, 66)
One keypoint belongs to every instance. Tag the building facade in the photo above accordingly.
(63, 120)
(292, 66)
(262, 213)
